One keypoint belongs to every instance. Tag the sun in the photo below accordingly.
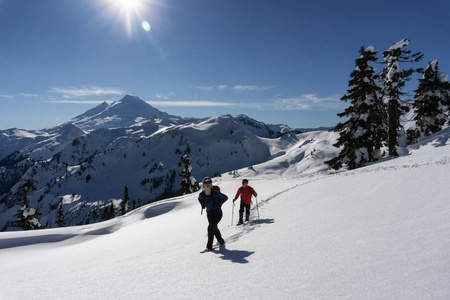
(129, 6)
(130, 13)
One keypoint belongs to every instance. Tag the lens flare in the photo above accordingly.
(146, 26)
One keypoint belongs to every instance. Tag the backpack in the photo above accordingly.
(215, 187)
(249, 188)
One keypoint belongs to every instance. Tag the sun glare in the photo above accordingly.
(131, 14)
(129, 5)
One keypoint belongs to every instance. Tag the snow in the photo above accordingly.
(128, 111)
(378, 232)
(370, 49)
(399, 45)
(145, 157)
(443, 77)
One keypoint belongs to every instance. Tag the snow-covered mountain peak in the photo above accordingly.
(93, 111)
(132, 100)
(122, 113)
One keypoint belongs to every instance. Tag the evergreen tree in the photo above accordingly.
(395, 79)
(124, 203)
(111, 212)
(188, 182)
(61, 222)
(362, 135)
(26, 216)
(431, 103)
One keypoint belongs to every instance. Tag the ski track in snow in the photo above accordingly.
(256, 223)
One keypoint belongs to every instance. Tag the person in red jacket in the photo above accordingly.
(246, 193)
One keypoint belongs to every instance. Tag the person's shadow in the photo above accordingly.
(235, 256)
(263, 221)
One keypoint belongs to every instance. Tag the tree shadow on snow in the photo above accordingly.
(55, 238)
(160, 209)
(32, 240)
(235, 256)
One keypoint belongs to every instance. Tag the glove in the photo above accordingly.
(203, 207)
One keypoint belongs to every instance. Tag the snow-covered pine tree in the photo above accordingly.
(26, 216)
(111, 211)
(61, 220)
(124, 202)
(188, 182)
(362, 135)
(395, 79)
(431, 103)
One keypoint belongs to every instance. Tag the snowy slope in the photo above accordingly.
(86, 162)
(92, 170)
(378, 232)
(36, 144)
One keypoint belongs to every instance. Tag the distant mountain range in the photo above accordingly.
(86, 163)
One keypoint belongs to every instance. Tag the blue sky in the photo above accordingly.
(276, 61)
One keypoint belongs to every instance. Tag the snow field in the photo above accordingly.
(379, 232)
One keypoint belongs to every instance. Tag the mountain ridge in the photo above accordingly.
(86, 162)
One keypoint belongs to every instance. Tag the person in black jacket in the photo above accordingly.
(212, 200)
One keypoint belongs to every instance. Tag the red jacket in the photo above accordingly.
(246, 194)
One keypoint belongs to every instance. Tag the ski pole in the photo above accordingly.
(257, 208)
(232, 213)
(201, 211)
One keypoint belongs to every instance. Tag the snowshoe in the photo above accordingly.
(207, 250)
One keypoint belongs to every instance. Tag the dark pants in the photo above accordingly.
(213, 231)
(241, 211)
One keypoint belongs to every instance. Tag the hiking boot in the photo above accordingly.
(240, 222)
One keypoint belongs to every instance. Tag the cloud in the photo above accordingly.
(87, 90)
(194, 103)
(235, 88)
(29, 95)
(164, 96)
(308, 102)
(7, 96)
(78, 101)
(211, 87)
(304, 102)
(252, 88)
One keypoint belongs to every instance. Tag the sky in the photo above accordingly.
(280, 62)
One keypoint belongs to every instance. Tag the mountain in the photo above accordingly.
(123, 113)
(86, 162)
(129, 112)
(94, 169)
(378, 232)
(43, 144)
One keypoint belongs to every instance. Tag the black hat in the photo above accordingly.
(207, 179)
(244, 180)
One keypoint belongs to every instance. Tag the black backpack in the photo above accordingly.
(213, 190)
(249, 188)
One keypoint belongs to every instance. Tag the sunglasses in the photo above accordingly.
(207, 182)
